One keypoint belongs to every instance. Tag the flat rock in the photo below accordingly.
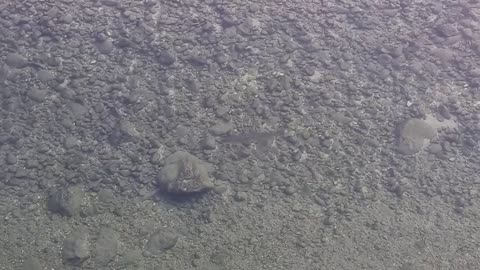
(32, 263)
(221, 128)
(45, 75)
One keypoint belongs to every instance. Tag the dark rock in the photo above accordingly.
(447, 30)
(198, 60)
(105, 47)
(66, 202)
(444, 111)
(167, 58)
(111, 3)
(125, 43)
(209, 142)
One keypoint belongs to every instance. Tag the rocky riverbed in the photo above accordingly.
(211, 134)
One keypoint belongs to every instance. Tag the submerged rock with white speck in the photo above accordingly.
(414, 135)
(184, 173)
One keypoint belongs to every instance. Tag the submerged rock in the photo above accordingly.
(159, 242)
(76, 248)
(106, 246)
(414, 135)
(66, 202)
(184, 173)
(16, 60)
